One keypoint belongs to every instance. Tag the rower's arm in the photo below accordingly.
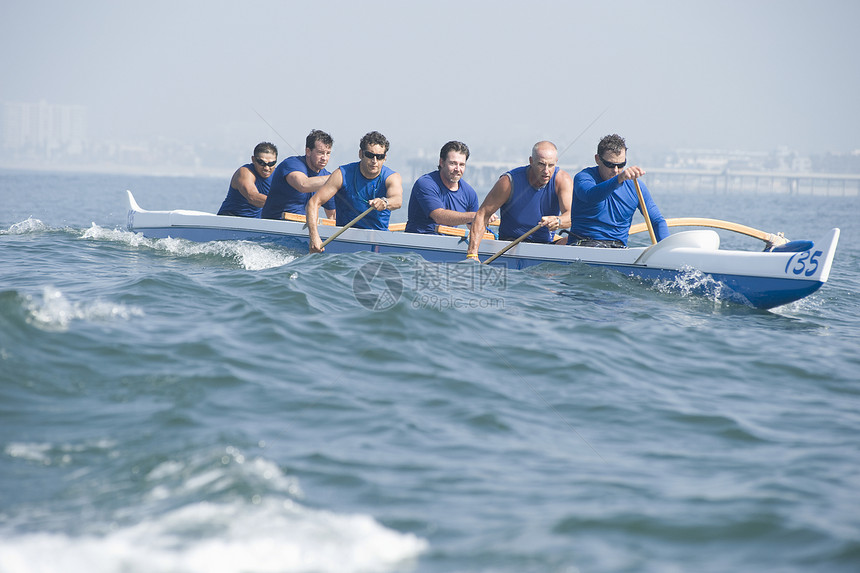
(246, 183)
(497, 197)
(451, 218)
(326, 192)
(590, 191)
(393, 193)
(304, 184)
(564, 192)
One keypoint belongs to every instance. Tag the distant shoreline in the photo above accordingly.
(114, 169)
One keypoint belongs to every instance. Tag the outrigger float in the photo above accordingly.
(783, 273)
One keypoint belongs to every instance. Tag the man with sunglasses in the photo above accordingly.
(357, 186)
(250, 183)
(298, 177)
(605, 199)
(537, 193)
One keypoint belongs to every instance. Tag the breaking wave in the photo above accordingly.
(247, 255)
(692, 282)
(54, 311)
(30, 225)
(192, 520)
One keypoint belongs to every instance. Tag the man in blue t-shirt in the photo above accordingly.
(357, 186)
(605, 199)
(536, 194)
(298, 177)
(443, 197)
(250, 183)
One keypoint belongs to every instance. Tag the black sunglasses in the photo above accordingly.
(262, 163)
(371, 155)
(611, 165)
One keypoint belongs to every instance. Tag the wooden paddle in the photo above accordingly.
(347, 226)
(402, 227)
(302, 219)
(458, 232)
(645, 212)
(513, 244)
(441, 229)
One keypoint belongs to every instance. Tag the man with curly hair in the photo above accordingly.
(357, 186)
(605, 199)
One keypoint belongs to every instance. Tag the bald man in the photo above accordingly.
(537, 193)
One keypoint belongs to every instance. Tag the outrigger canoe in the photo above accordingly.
(779, 275)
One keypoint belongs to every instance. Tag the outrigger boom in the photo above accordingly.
(770, 239)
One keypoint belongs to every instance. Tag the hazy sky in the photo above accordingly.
(732, 75)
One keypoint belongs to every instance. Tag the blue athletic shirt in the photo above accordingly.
(604, 209)
(235, 203)
(526, 206)
(351, 199)
(283, 196)
(429, 194)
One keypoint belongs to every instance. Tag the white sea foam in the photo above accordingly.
(251, 256)
(30, 452)
(48, 454)
(54, 311)
(268, 532)
(810, 304)
(690, 281)
(116, 235)
(261, 535)
(246, 254)
(197, 476)
(31, 225)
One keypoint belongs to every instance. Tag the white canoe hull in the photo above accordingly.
(759, 279)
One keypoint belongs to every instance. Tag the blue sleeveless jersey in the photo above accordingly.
(235, 203)
(283, 196)
(525, 207)
(351, 199)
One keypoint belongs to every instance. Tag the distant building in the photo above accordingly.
(43, 128)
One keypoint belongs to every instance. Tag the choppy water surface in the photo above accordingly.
(168, 406)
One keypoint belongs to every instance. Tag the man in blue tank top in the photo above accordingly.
(298, 177)
(537, 193)
(605, 199)
(250, 183)
(443, 197)
(357, 186)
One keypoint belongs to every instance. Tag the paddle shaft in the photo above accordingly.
(345, 227)
(513, 244)
(644, 210)
(440, 228)
(296, 218)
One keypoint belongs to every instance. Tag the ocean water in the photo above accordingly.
(168, 406)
